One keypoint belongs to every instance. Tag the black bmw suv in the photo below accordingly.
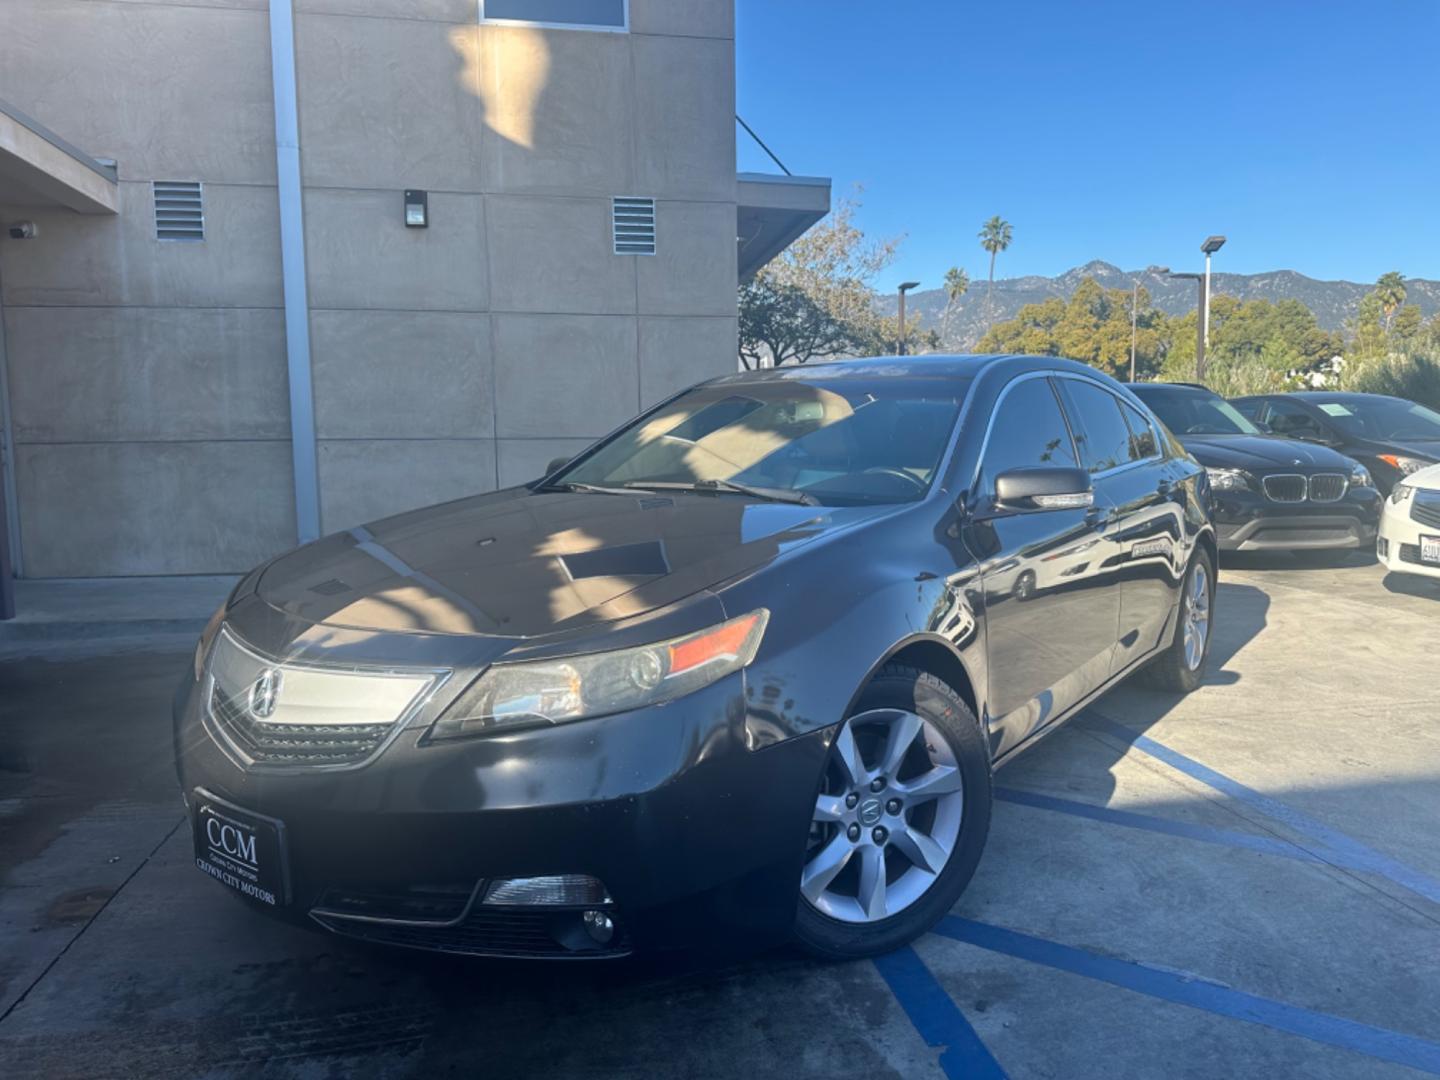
(1271, 493)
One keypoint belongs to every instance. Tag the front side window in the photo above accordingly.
(586, 14)
(1100, 428)
(1287, 419)
(839, 442)
(1028, 432)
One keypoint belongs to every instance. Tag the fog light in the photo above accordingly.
(599, 926)
(1382, 548)
(559, 889)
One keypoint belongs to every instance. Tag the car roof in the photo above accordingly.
(952, 365)
(1183, 387)
(1336, 395)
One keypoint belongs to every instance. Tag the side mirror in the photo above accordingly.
(556, 464)
(1044, 489)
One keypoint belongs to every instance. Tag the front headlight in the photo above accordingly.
(1361, 477)
(1406, 465)
(1401, 493)
(598, 684)
(1229, 479)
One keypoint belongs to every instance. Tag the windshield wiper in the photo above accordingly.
(597, 489)
(785, 495)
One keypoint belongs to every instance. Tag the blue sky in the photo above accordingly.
(1306, 132)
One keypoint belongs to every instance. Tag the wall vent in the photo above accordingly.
(633, 221)
(179, 210)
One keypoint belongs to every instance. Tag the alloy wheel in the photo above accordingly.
(887, 819)
(1197, 616)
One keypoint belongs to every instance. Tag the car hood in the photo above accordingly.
(517, 563)
(1427, 449)
(1262, 452)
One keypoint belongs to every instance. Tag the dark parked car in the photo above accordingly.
(1390, 436)
(741, 668)
(1271, 493)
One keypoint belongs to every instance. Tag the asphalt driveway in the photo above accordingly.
(1245, 882)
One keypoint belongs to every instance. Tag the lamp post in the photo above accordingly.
(905, 286)
(1211, 245)
(1152, 271)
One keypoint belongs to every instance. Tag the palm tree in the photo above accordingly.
(994, 237)
(1390, 291)
(957, 284)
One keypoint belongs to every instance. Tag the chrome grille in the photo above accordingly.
(1328, 487)
(267, 712)
(293, 744)
(1284, 487)
(1425, 508)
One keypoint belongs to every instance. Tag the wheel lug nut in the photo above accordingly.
(878, 784)
(879, 834)
(853, 833)
(893, 806)
(851, 800)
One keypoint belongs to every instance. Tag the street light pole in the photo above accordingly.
(1211, 245)
(905, 286)
(1135, 309)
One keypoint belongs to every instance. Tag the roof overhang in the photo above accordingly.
(773, 212)
(40, 169)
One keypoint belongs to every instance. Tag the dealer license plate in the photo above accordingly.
(240, 849)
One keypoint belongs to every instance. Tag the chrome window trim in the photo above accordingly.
(1159, 454)
(439, 677)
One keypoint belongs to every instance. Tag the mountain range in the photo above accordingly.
(1333, 302)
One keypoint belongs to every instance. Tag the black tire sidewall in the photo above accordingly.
(898, 687)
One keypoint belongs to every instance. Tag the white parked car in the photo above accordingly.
(1409, 541)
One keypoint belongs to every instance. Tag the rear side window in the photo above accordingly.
(1142, 434)
(1101, 433)
(1028, 432)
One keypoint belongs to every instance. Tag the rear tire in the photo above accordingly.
(835, 926)
(1180, 669)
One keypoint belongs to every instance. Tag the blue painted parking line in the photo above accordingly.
(938, 1020)
(1351, 853)
(1230, 838)
(1373, 1042)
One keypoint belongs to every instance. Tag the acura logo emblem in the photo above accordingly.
(264, 693)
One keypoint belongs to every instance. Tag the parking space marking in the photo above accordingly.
(1351, 853)
(1198, 993)
(1229, 837)
(936, 1017)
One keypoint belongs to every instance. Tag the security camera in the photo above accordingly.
(24, 230)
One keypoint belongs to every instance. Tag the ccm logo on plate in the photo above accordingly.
(231, 840)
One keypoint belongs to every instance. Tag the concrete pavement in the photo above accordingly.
(1243, 882)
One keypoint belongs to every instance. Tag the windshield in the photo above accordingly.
(836, 442)
(1382, 418)
(1193, 413)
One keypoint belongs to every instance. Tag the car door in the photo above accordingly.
(1050, 610)
(1123, 451)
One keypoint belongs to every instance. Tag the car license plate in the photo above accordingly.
(1430, 549)
(239, 848)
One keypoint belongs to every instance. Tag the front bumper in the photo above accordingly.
(1398, 543)
(697, 839)
(1248, 521)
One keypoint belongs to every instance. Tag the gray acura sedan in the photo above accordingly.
(744, 668)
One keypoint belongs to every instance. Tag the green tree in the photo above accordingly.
(995, 236)
(1093, 326)
(815, 300)
(957, 284)
(1390, 291)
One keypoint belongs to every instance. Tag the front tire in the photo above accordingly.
(900, 821)
(1181, 667)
